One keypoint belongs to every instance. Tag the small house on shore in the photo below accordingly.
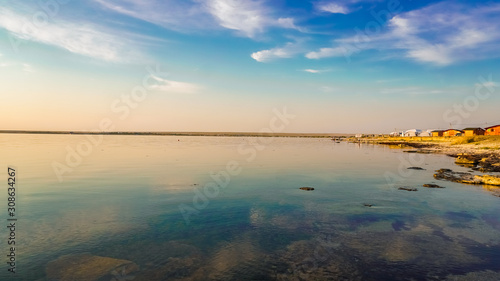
(396, 134)
(492, 131)
(437, 133)
(412, 133)
(469, 132)
(427, 133)
(452, 133)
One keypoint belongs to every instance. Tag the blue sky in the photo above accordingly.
(225, 65)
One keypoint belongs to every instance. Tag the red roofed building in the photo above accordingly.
(492, 131)
(473, 132)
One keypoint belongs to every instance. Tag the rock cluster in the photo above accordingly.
(462, 177)
(484, 162)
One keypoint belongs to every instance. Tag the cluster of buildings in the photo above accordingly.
(473, 131)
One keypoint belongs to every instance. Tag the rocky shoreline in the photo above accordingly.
(479, 145)
(477, 157)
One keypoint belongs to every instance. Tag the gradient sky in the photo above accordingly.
(342, 66)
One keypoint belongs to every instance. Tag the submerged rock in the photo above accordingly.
(431, 185)
(316, 260)
(407, 188)
(307, 188)
(399, 225)
(415, 168)
(86, 267)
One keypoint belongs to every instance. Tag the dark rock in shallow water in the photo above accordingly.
(415, 168)
(307, 188)
(407, 188)
(431, 185)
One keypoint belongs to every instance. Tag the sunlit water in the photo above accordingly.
(155, 201)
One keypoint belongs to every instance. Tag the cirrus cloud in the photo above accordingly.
(334, 8)
(171, 86)
(439, 34)
(287, 51)
(83, 39)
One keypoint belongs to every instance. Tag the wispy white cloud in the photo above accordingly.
(289, 23)
(332, 7)
(418, 90)
(250, 17)
(439, 34)
(247, 16)
(327, 53)
(289, 50)
(82, 39)
(445, 33)
(316, 71)
(171, 14)
(312, 70)
(170, 86)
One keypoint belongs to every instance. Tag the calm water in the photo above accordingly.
(155, 201)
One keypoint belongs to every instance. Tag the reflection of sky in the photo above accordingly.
(132, 185)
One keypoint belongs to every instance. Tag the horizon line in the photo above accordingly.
(173, 133)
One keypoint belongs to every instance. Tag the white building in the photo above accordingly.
(427, 133)
(396, 134)
(412, 133)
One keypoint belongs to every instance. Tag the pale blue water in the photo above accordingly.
(124, 201)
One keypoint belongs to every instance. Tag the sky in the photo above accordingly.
(346, 66)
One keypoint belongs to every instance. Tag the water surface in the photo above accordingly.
(154, 201)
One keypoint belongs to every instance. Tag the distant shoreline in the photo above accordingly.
(206, 134)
